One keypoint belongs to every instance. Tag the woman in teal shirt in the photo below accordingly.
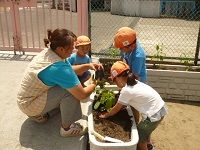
(50, 83)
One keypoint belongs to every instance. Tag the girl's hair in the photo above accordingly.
(59, 38)
(131, 78)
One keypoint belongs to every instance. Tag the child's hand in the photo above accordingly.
(92, 66)
(98, 66)
(95, 66)
(103, 115)
(93, 81)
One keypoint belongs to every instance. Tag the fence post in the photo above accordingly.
(82, 13)
(197, 48)
(89, 25)
(17, 35)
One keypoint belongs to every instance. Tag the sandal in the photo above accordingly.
(40, 118)
(75, 129)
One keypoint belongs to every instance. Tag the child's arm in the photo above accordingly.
(113, 111)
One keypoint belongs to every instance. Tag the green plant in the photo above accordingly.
(185, 59)
(114, 52)
(159, 55)
(104, 99)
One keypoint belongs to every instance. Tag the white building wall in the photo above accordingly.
(144, 8)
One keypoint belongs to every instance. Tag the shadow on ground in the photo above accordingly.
(46, 136)
(18, 57)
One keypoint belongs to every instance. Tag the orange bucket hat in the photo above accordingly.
(82, 40)
(124, 37)
(117, 68)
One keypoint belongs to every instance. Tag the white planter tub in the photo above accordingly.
(96, 145)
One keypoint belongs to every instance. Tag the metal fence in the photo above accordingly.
(173, 25)
(24, 23)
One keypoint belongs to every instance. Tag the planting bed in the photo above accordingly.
(117, 126)
(121, 126)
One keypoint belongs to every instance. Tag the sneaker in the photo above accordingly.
(150, 146)
(40, 118)
(75, 129)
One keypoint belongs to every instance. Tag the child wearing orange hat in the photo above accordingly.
(133, 54)
(140, 96)
(131, 51)
(81, 56)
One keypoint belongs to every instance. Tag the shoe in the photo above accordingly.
(150, 146)
(75, 129)
(40, 118)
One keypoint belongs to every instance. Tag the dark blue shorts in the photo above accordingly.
(85, 74)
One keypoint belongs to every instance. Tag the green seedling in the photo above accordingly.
(185, 59)
(159, 55)
(114, 52)
(101, 83)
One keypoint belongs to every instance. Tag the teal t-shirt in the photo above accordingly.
(59, 73)
(75, 60)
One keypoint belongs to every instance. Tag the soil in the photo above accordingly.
(180, 128)
(117, 126)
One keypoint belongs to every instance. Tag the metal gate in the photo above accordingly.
(23, 23)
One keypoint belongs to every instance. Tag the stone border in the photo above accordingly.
(175, 85)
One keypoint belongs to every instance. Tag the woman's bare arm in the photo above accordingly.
(81, 93)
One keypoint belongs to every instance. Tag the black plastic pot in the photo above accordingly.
(99, 74)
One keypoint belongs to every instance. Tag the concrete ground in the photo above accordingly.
(18, 132)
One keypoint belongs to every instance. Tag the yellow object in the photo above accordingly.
(2, 8)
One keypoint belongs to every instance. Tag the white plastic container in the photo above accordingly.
(96, 145)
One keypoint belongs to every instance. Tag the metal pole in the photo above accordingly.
(197, 48)
(89, 25)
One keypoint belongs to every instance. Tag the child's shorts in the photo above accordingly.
(84, 75)
(145, 128)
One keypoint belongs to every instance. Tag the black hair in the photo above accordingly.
(131, 78)
(132, 43)
(59, 38)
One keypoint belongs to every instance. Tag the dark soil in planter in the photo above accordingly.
(117, 126)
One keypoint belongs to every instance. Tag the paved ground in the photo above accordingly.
(17, 131)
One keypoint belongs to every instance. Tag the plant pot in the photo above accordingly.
(99, 74)
(96, 145)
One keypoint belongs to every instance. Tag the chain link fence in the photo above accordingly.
(170, 25)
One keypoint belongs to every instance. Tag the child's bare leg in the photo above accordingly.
(143, 146)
